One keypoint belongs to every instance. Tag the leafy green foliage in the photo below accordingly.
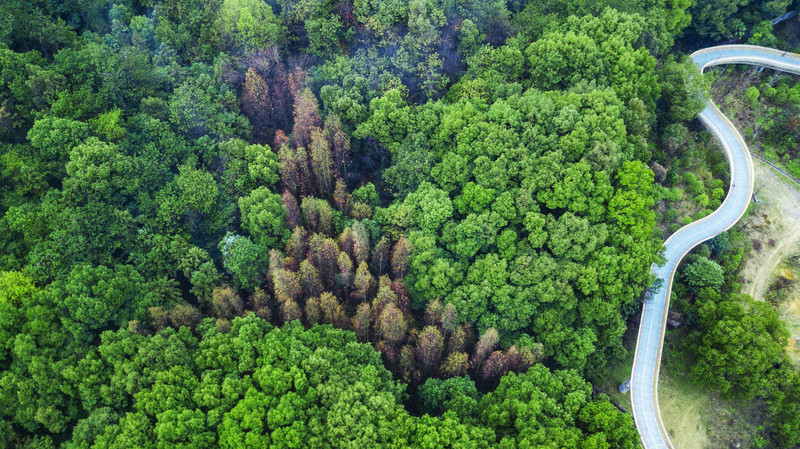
(738, 344)
(263, 216)
(462, 184)
(703, 273)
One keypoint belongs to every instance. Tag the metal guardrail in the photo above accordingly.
(782, 171)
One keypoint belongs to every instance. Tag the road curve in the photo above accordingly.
(644, 378)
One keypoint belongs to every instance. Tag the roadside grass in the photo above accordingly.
(685, 409)
(693, 417)
(696, 418)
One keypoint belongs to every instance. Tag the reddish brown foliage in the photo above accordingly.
(485, 346)
(294, 217)
(494, 366)
(306, 118)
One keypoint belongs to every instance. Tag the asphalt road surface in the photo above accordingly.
(644, 379)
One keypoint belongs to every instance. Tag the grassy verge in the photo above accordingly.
(696, 418)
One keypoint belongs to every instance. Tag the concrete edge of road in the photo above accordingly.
(749, 162)
(772, 51)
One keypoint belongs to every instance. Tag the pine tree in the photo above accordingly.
(306, 117)
(456, 364)
(460, 339)
(330, 262)
(341, 144)
(385, 295)
(403, 297)
(318, 214)
(159, 317)
(360, 242)
(290, 168)
(224, 325)
(408, 365)
(485, 346)
(276, 108)
(381, 256)
(226, 303)
(259, 303)
(345, 276)
(255, 94)
(313, 311)
(392, 325)
(449, 318)
(341, 197)
(433, 312)
(321, 163)
(290, 311)
(276, 259)
(332, 311)
(363, 283)
(286, 285)
(430, 345)
(315, 245)
(401, 258)
(184, 315)
(280, 140)
(495, 366)
(294, 217)
(310, 280)
(346, 241)
(362, 321)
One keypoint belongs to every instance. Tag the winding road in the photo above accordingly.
(644, 378)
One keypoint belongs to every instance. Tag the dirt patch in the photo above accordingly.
(774, 219)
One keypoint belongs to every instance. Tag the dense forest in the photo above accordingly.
(357, 223)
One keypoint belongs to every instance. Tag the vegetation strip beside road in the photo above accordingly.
(652, 328)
